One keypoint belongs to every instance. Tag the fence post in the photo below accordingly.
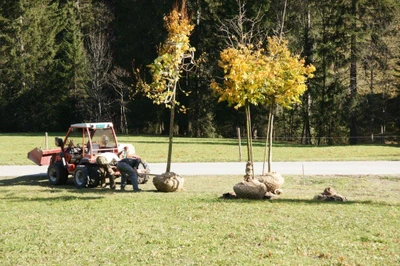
(47, 141)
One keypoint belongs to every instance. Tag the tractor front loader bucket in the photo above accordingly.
(42, 157)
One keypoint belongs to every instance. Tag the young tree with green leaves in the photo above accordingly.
(175, 57)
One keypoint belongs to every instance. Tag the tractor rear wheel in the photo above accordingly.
(81, 177)
(57, 174)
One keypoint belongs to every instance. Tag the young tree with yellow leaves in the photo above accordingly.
(255, 76)
(243, 67)
(286, 77)
(242, 64)
(175, 57)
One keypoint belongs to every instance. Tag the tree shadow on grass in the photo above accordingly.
(41, 180)
(25, 180)
(348, 202)
(305, 201)
(46, 199)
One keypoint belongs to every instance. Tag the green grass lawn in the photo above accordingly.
(154, 149)
(63, 225)
(44, 225)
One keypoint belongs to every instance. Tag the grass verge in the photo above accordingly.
(154, 149)
(43, 225)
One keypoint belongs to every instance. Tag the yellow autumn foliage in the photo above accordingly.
(167, 67)
(258, 76)
(289, 74)
(243, 69)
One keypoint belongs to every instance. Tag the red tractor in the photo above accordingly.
(77, 154)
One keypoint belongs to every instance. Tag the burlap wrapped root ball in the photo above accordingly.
(168, 182)
(252, 189)
(330, 194)
(273, 181)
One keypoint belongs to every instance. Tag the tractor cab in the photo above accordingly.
(77, 152)
(89, 139)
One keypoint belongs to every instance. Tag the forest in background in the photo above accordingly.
(64, 62)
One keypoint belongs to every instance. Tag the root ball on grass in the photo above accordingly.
(252, 189)
(330, 194)
(168, 182)
(273, 181)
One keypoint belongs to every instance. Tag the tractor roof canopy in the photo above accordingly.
(93, 125)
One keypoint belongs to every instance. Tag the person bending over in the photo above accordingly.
(129, 167)
(105, 162)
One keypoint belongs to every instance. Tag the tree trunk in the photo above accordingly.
(306, 132)
(372, 105)
(266, 144)
(249, 139)
(353, 77)
(271, 130)
(283, 20)
(268, 141)
(383, 125)
(123, 120)
(321, 110)
(171, 132)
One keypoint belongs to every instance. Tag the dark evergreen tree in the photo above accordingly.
(45, 78)
(72, 73)
(99, 41)
(29, 50)
(376, 60)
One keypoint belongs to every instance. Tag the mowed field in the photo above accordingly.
(154, 149)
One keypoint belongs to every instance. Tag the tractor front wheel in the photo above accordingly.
(81, 177)
(57, 174)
